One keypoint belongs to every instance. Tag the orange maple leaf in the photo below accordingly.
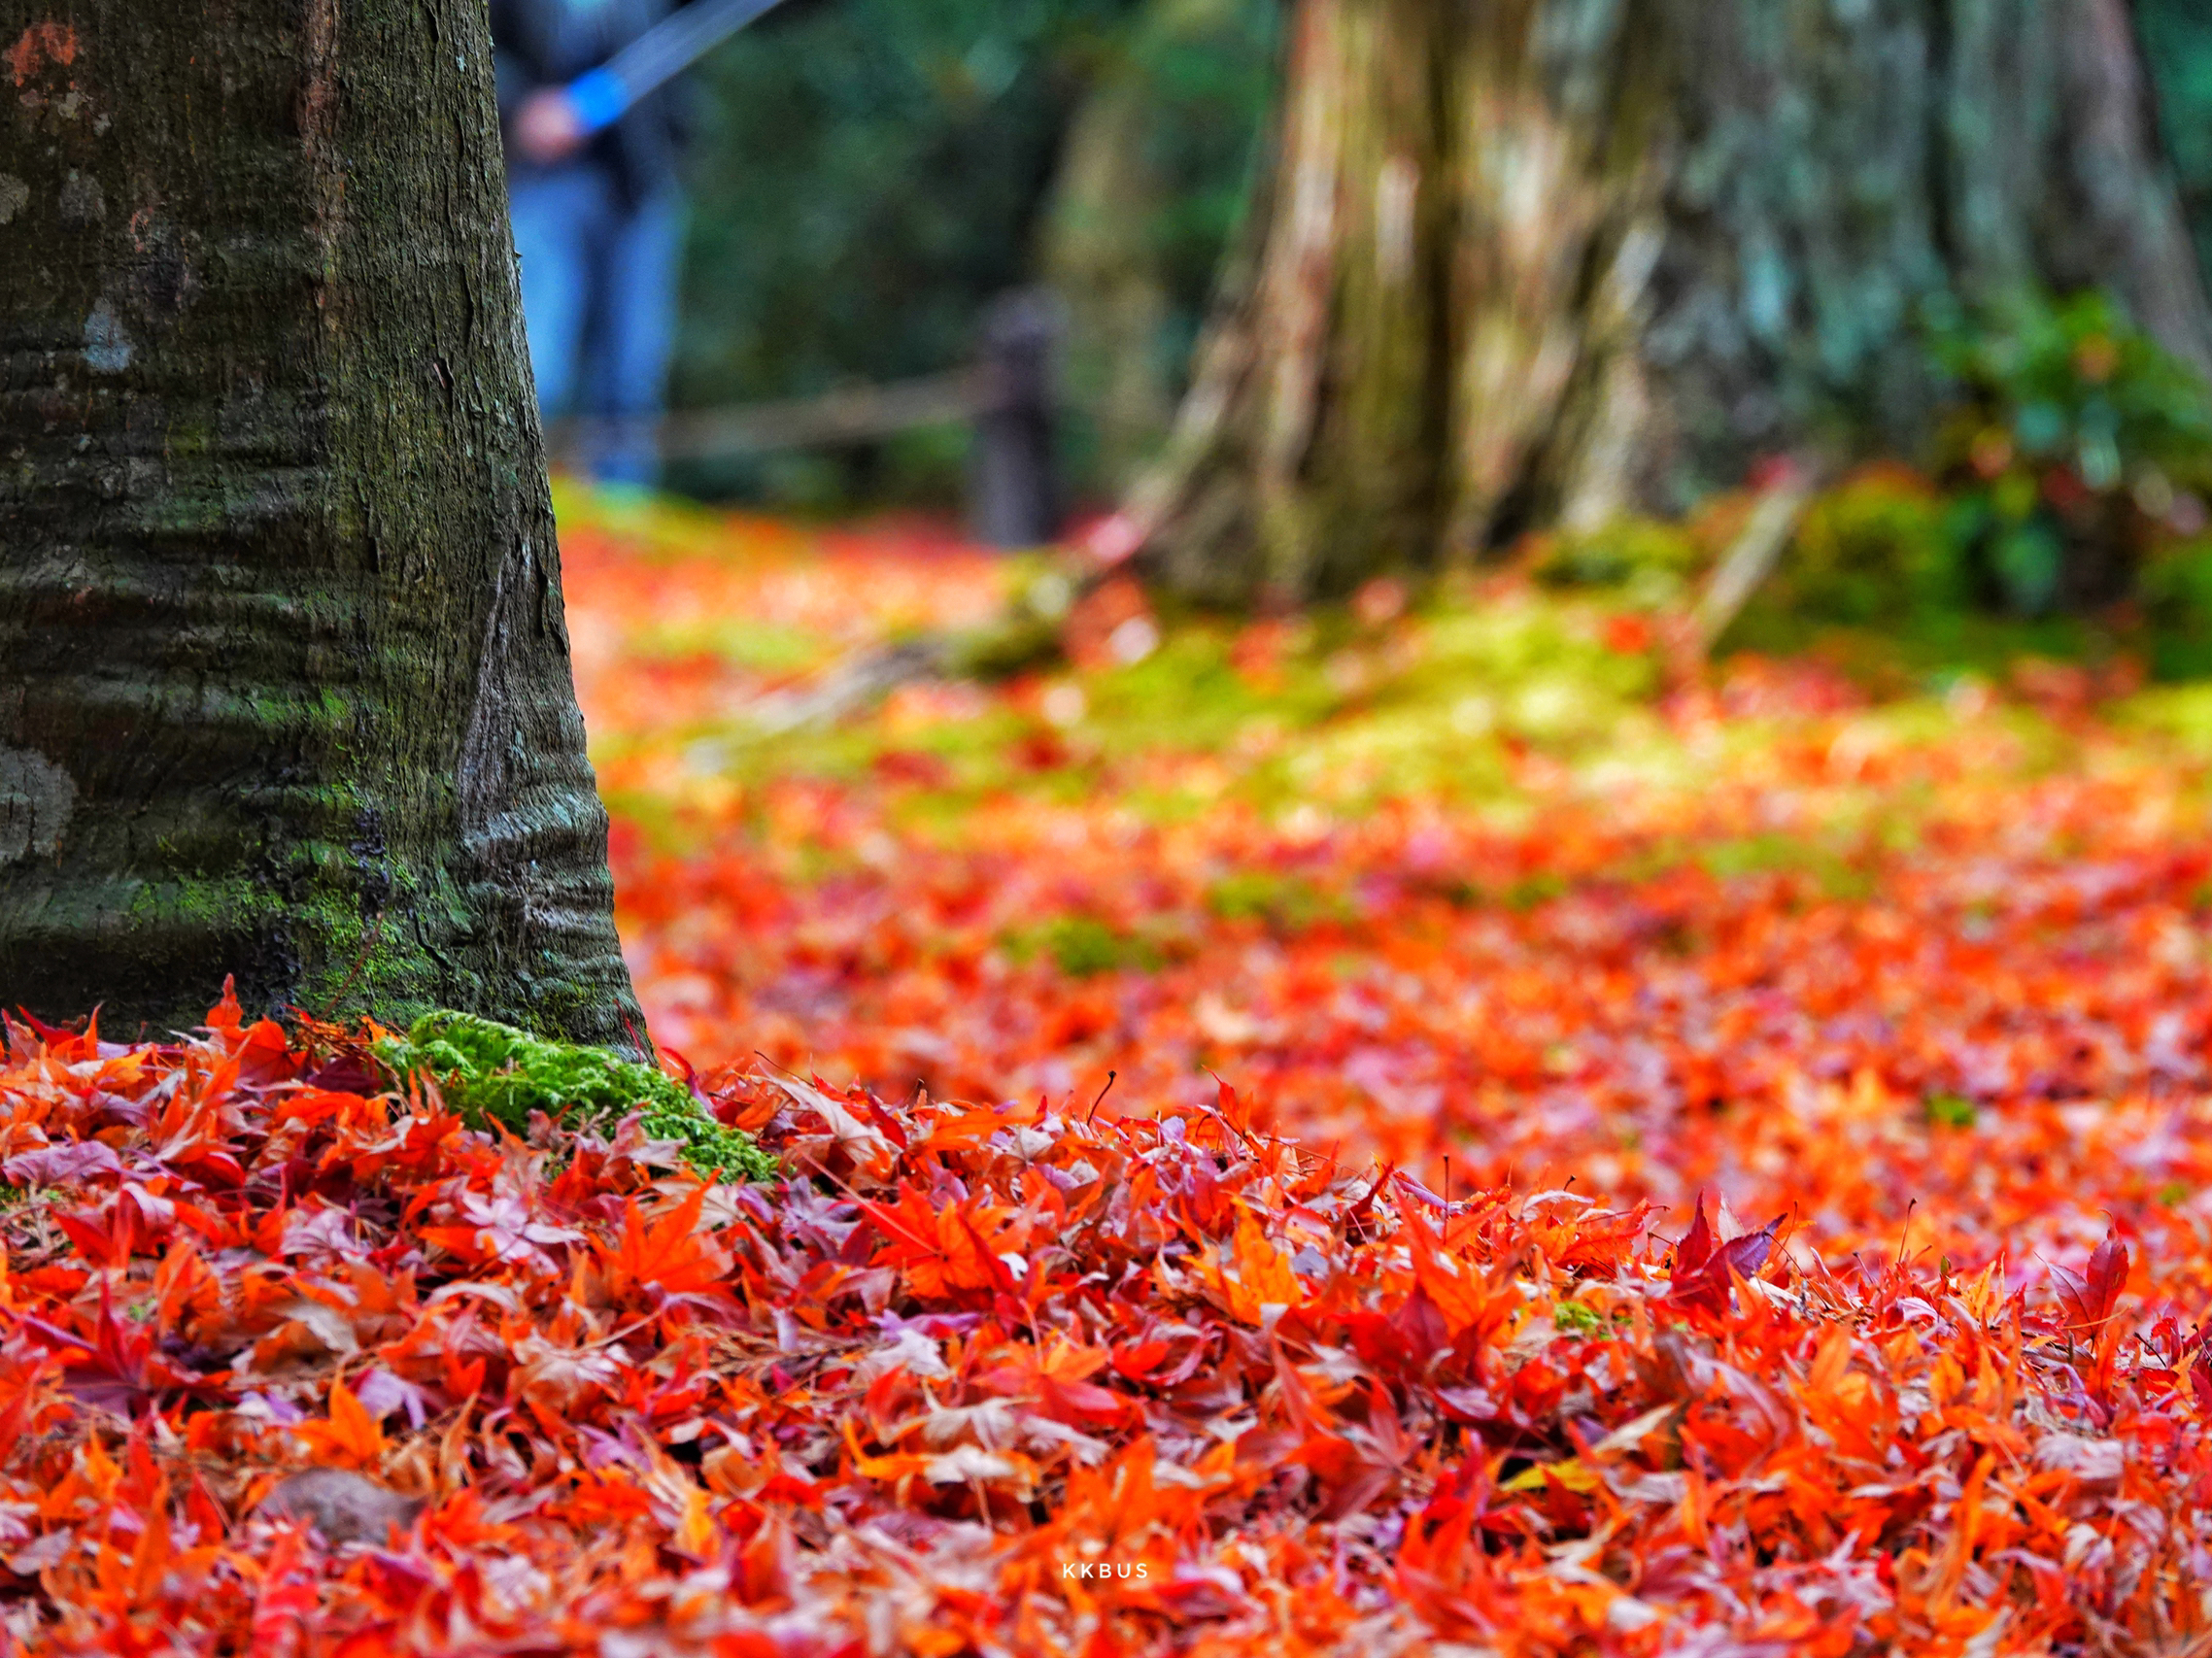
(1460, 1294)
(671, 1255)
(943, 1251)
(351, 1437)
(1255, 1275)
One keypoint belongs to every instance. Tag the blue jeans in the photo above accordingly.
(599, 303)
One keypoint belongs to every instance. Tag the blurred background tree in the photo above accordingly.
(2177, 43)
(1149, 192)
(872, 174)
(1542, 262)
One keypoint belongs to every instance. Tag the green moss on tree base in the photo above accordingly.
(495, 1073)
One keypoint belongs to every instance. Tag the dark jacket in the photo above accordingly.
(549, 43)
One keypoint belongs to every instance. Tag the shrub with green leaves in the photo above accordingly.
(492, 1074)
(2077, 445)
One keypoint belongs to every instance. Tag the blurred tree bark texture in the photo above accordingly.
(2177, 40)
(1151, 183)
(1537, 261)
(1117, 296)
(285, 689)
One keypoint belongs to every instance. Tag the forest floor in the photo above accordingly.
(1422, 1128)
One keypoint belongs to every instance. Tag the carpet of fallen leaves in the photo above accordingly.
(1817, 1267)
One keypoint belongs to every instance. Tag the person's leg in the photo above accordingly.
(636, 336)
(556, 218)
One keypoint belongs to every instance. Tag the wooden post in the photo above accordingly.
(1016, 500)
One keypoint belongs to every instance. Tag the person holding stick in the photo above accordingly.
(597, 212)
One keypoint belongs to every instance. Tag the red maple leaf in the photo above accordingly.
(2089, 1298)
(1705, 1270)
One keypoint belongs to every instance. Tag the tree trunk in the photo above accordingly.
(2177, 50)
(1542, 260)
(1153, 180)
(285, 688)
(1095, 256)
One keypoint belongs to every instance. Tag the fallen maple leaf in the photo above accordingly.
(350, 1438)
(672, 1255)
(2089, 1298)
(1705, 1269)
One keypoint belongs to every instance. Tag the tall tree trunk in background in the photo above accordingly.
(285, 686)
(1095, 258)
(2177, 46)
(1151, 181)
(1538, 260)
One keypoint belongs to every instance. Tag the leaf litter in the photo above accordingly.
(1819, 1266)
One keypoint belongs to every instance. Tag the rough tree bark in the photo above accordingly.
(285, 688)
(1538, 260)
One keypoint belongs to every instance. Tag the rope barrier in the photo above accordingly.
(849, 415)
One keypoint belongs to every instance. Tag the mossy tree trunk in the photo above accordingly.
(285, 688)
(1540, 260)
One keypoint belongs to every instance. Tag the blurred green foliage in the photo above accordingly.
(2064, 513)
(2077, 445)
(869, 174)
(1201, 71)
(2177, 597)
(1649, 558)
(866, 175)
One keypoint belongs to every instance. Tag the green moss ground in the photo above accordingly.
(494, 1073)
